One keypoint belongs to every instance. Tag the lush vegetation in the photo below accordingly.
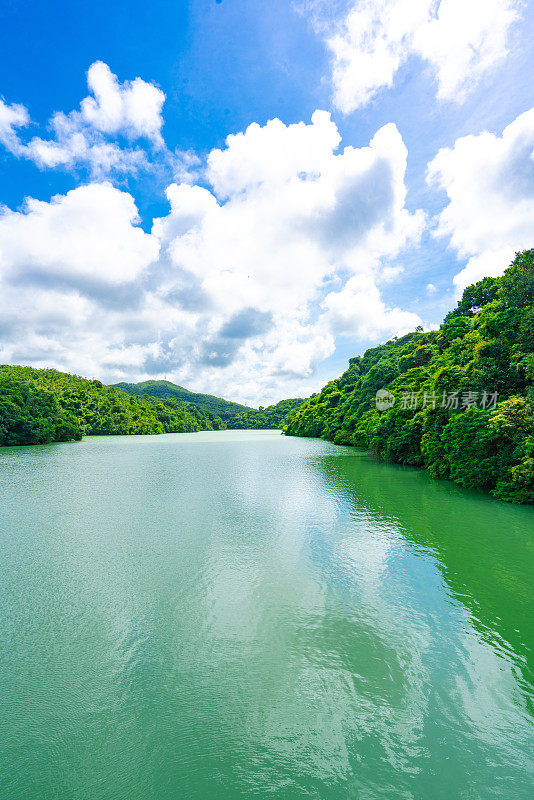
(235, 415)
(265, 418)
(43, 405)
(167, 390)
(464, 394)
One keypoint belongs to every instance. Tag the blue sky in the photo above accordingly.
(283, 254)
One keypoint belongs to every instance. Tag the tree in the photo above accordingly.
(483, 349)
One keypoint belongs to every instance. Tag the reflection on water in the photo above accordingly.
(483, 548)
(240, 614)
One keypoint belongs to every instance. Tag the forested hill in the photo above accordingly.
(43, 405)
(265, 418)
(167, 390)
(463, 396)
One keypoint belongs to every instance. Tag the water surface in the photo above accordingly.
(243, 615)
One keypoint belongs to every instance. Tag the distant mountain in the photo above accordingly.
(165, 389)
(266, 418)
(38, 406)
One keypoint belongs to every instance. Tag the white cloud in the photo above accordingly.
(89, 233)
(281, 231)
(81, 138)
(371, 44)
(358, 310)
(463, 40)
(489, 181)
(11, 117)
(133, 107)
(459, 39)
(295, 213)
(74, 146)
(272, 154)
(242, 288)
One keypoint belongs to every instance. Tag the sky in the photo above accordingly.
(239, 196)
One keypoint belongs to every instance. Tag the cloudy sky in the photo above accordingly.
(239, 195)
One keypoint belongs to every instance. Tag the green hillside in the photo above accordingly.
(265, 418)
(38, 406)
(463, 396)
(165, 389)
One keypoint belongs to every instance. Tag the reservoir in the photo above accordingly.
(240, 614)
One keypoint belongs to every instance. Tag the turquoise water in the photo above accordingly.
(244, 615)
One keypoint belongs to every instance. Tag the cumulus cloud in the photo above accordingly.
(82, 138)
(459, 39)
(133, 107)
(286, 213)
(242, 288)
(88, 234)
(489, 181)
(272, 154)
(281, 231)
(359, 310)
(75, 146)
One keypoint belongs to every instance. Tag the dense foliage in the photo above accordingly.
(167, 390)
(265, 418)
(43, 405)
(464, 394)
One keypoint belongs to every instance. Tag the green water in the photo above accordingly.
(244, 615)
